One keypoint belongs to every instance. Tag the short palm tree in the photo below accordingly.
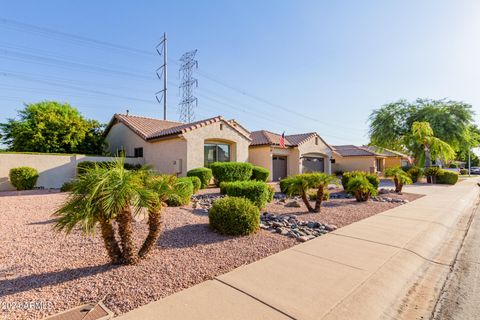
(104, 195)
(361, 188)
(300, 184)
(399, 177)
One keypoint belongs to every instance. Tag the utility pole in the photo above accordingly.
(188, 101)
(469, 161)
(161, 72)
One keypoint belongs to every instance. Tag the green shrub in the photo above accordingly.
(196, 183)
(67, 186)
(231, 171)
(130, 166)
(372, 178)
(84, 166)
(432, 171)
(312, 195)
(204, 174)
(271, 193)
(234, 216)
(260, 174)
(399, 177)
(23, 178)
(361, 188)
(453, 165)
(447, 177)
(415, 173)
(257, 192)
(183, 192)
(284, 183)
(463, 171)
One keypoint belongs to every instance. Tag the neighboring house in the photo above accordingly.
(366, 158)
(305, 152)
(175, 147)
(352, 158)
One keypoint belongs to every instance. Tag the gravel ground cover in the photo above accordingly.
(52, 272)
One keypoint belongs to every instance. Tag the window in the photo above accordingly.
(138, 152)
(316, 141)
(216, 152)
(221, 126)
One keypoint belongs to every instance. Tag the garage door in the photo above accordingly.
(313, 164)
(279, 167)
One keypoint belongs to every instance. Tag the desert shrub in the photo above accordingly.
(372, 178)
(234, 216)
(463, 171)
(84, 166)
(23, 178)
(447, 177)
(260, 174)
(196, 183)
(284, 184)
(183, 192)
(399, 177)
(361, 188)
(257, 192)
(67, 186)
(231, 171)
(271, 193)
(204, 174)
(415, 173)
(312, 195)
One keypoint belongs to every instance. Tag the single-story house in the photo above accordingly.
(305, 152)
(366, 158)
(175, 147)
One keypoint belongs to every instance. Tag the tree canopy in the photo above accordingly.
(52, 127)
(451, 121)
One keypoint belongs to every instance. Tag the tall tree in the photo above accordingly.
(51, 126)
(451, 121)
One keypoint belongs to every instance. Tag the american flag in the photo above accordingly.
(282, 140)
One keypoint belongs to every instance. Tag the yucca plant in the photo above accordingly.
(107, 195)
(399, 177)
(300, 184)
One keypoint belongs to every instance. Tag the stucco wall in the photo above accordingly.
(53, 170)
(262, 157)
(394, 162)
(196, 140)
(162, 155)
(353, 163)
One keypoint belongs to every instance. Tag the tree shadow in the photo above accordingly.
(190, 235)
(49, 221)
(36, 281)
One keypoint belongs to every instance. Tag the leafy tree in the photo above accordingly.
(425, 145)
(108, 195)
(452, 122)
(52, 127)
(399, 177)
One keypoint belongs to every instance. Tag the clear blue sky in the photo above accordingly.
(330, 62)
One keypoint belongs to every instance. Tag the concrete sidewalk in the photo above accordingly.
(390, 265)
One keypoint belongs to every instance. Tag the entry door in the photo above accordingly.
(279, 167)
(313, 164)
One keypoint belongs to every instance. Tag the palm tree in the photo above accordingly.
(107, 194)
(422, 138)
(301, 183)
(399, 177)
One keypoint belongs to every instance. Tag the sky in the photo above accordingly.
(283, 66)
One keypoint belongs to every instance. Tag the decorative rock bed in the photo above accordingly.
(204, 201)
(288, 225)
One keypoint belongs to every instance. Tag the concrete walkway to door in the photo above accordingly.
(390, 265)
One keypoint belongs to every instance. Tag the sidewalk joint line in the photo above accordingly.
(255, 298)
(401, 248)
(327, 259)
(415, 219)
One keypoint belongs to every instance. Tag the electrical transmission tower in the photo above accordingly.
(161, 72)
(188, 101)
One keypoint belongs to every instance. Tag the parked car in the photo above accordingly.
(475, 170)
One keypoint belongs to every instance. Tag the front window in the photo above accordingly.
(216, 152)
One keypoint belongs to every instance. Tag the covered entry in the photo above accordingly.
(279, 167)
(313, 164)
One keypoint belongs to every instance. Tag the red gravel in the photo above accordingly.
(40, 265)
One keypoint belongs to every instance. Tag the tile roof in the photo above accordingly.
(385, 152)
(264, 137)
(151, 129)
(353, 151)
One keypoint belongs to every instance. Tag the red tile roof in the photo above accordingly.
(264, 137)
(354, 151)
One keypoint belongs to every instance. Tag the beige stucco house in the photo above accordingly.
(366, 158)
(175, 147)
(306, 152)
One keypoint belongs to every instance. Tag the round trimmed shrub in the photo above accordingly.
(463, 171)
(415, 173)
(234, 216)
(23, 178)
(231, 171)
(257, 192)
(447, 177)
(196, 183)
(260, 173)
(183, 192)
(204, 174)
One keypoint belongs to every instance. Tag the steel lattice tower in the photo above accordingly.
(188, 101)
